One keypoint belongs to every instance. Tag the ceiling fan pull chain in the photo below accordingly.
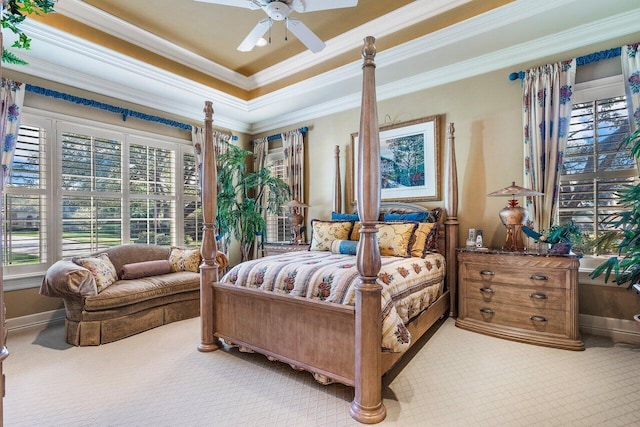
(270, 25)
(286, 29)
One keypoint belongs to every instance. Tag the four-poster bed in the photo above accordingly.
(341, 342)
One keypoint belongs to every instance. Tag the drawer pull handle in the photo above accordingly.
(538, 277)
(538, 318)
(487, 273)
(487, 311)
(487, 290)
(538, 296)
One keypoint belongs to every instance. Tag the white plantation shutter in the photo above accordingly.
(278, 226)
(25, 201)
(91, 193)
(152, 194)
(594, 168)
(192, 209)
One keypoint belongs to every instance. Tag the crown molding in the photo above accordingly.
(400, 18)
(47, 38)
(603, 30)
(70, 60)
(117, 27)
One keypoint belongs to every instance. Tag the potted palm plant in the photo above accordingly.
(626, 265)
(244, 198)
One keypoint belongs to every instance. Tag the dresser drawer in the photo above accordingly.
(539, 297)
(537, 320)
(537, 277)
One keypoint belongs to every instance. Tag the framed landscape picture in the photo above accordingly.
(409, 160)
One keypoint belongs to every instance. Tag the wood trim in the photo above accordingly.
(208, 250)
(337, 183)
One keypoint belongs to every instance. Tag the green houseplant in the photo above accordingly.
(561, 237)
(626, 265)
(240, 214)
(14, 13)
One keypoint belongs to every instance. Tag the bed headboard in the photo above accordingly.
(404, 207)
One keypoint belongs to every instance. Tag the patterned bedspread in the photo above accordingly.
(409, 285)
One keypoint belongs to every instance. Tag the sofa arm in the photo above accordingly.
(65, 279)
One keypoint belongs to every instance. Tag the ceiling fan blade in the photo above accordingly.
(305, 35)
(258, 31)
(247, 4)
(313, 5)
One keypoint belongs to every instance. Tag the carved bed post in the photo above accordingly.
(337, 183)
(367, 404)
(208, 250)
(451, 223)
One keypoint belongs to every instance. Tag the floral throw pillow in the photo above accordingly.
(101, 268)
(185, 260)
(425, 239)
(323, 233)
(394, 239)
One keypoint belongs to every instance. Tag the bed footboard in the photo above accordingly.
(316, 336)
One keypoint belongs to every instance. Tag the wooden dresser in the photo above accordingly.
(521, 296)
(281, 248)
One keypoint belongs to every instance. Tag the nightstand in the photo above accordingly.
(521, 296)
(281, 248)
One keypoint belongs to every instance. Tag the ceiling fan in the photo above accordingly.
(279, 11)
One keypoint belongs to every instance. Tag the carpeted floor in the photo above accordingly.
(456, 378)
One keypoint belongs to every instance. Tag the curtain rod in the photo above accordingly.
(107, 107)
(581, 60)
(275, 136)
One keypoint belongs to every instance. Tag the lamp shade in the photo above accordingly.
(295, 204)
(514, 190)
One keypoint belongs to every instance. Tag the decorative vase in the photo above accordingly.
(560, 248)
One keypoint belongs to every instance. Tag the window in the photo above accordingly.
(152, 192)
(192, 209)
(91, 179)
(594, 168)
(25, 199)
(278, 226)
(77, 187)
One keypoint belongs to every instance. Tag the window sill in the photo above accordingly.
(23, 281)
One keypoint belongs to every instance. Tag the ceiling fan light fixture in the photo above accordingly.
(262, 42)
(277, 10)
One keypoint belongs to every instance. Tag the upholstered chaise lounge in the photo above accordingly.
(150, 286)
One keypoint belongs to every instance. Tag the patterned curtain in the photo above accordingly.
(547, 107)
(631, 71)
(221, 145)
(12, 99)
(260, 148)
(292, 141)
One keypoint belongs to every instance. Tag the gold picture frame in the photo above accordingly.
(409, 160)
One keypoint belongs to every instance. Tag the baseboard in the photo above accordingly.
(37, 320)
(619, 330)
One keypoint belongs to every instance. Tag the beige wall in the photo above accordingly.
(486, 111)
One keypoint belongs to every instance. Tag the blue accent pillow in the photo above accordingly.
(344, 247)
(337, 216)
(413, 216)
